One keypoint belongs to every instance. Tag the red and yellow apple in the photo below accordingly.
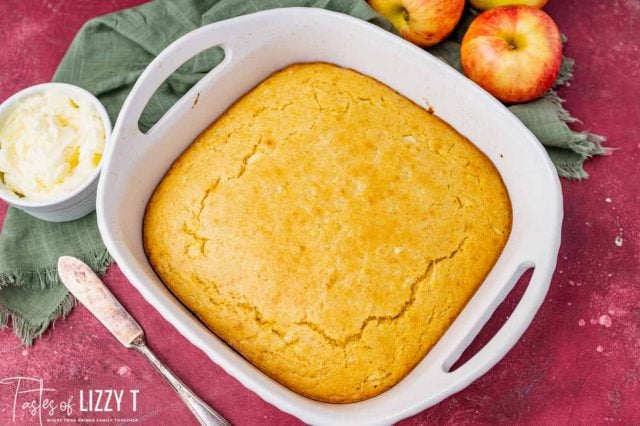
(513, 52)
(422, 22)
(490, 4)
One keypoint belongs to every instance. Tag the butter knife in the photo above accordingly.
(85, 285)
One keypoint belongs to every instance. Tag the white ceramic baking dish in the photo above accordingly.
(257, 45)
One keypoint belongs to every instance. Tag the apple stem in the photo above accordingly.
(405, 14)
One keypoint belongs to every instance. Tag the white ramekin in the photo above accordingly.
(74, 204)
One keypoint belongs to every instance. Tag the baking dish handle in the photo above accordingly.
(509, 333)
(225, 35)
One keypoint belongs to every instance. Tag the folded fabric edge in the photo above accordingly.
(573, 171)
(99, 261)
(585, 143)
(566, 71)
(26, 331)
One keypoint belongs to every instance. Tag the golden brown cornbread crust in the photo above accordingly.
(328, 229)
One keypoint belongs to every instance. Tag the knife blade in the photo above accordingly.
(85, 285)
(89, 289)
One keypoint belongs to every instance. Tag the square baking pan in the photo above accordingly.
(257, 45)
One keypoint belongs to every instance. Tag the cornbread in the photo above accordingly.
(328, 229)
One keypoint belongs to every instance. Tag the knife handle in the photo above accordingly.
(205, 414)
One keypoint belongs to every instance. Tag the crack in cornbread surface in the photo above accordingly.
(328, 229)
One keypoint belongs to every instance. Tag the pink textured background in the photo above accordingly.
(579, 362)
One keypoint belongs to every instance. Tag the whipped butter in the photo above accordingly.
(50, 143)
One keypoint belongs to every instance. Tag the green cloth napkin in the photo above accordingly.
(106, 58)
(31, 292)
